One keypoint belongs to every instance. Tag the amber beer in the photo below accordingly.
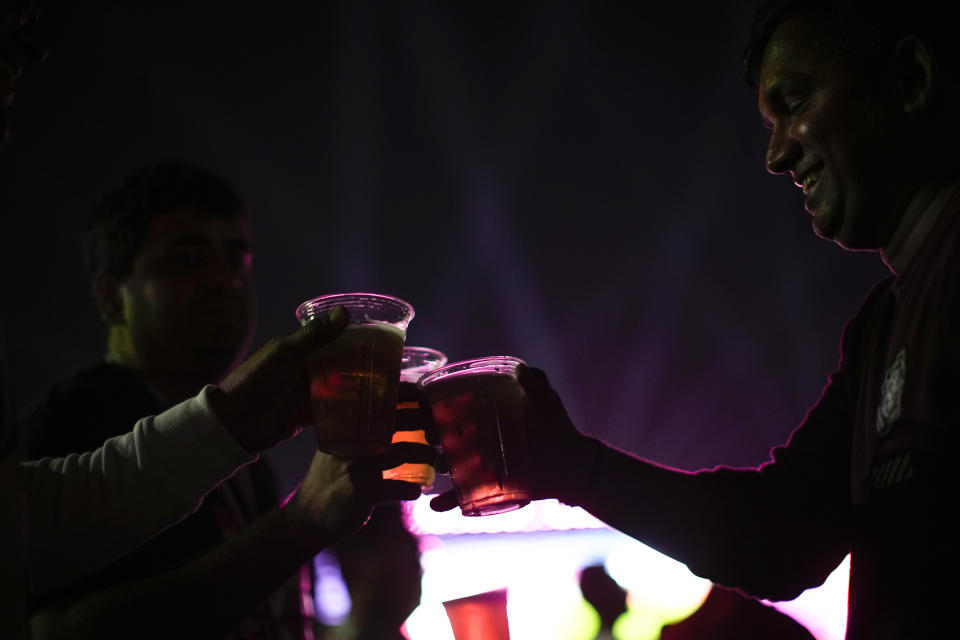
(477, 406)
(354, 379)
(415, 362)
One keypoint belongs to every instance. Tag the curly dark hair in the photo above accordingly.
(119, 222)
(864, 31)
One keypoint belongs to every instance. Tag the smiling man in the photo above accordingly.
(860, 99)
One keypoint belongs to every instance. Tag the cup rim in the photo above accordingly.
(414, 373)
(429, 350)
(328, 301)
(487, 364)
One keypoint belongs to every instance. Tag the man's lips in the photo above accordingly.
(808, 180)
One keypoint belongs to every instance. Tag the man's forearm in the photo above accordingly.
(734, 526)
(207, 596)
(86, 510)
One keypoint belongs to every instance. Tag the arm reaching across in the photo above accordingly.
(771, 531)
(85, 510)
(210, 594)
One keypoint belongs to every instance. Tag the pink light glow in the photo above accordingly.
(823, 610)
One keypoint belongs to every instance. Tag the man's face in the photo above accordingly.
(841, 144)
(189, 302)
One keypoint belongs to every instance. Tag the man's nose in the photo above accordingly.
(225, 271)
(783, 151)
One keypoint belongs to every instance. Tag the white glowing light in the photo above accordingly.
(540, 515)
(536, 554)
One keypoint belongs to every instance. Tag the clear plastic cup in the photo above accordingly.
(416, 362)
(477, 407)
(354, 379)
(479, 617)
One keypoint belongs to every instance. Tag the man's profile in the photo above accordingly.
(860, 100)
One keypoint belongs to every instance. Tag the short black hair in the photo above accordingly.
(118, 224)
(862, 30)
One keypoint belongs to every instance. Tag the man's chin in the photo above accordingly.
(825, 225)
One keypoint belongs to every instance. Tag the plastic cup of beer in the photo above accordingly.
(477, 407)
(354, 379)
(415, 362)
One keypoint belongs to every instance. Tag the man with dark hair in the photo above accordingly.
(170, 257)
(860, 100)
(64, 518)
(169, 253)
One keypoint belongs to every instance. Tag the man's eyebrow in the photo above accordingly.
(198, 240)
(243, 245)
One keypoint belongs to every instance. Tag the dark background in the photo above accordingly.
(578, 184)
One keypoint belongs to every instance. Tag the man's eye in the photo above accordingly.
(794, 104)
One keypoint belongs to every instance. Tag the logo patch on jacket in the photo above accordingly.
(891, 393)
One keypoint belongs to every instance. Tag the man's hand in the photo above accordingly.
(338, 494)
(413, 412)
(561, 458)
(266, 399)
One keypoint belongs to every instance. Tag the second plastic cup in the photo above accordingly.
(416, 362)
(354, 379)
(477, 406)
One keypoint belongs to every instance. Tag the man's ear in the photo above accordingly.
(916, 74)
(106, 290)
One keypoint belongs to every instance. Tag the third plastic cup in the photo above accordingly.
(477, 406)
(416, 362)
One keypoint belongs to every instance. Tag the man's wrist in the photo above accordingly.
(585, 482)
(224, 410)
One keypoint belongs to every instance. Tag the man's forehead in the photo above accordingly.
(789, 53)
(192, 221)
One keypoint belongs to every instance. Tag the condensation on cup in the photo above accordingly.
(415, 362)
(477, 407)
(354, 379)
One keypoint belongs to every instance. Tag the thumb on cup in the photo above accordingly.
(444, 502)
(322, 329)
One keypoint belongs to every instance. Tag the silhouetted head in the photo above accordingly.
(603, 593)
(381, 568)
(860, 100)
(170, 257)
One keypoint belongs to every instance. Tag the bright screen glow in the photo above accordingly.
(537, 552)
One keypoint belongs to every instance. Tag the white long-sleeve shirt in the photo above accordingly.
(83, 511)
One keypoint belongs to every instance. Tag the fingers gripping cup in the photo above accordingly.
(354, 379)
(415, 362)
(477, 406)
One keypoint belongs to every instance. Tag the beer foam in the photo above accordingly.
(379, 326)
